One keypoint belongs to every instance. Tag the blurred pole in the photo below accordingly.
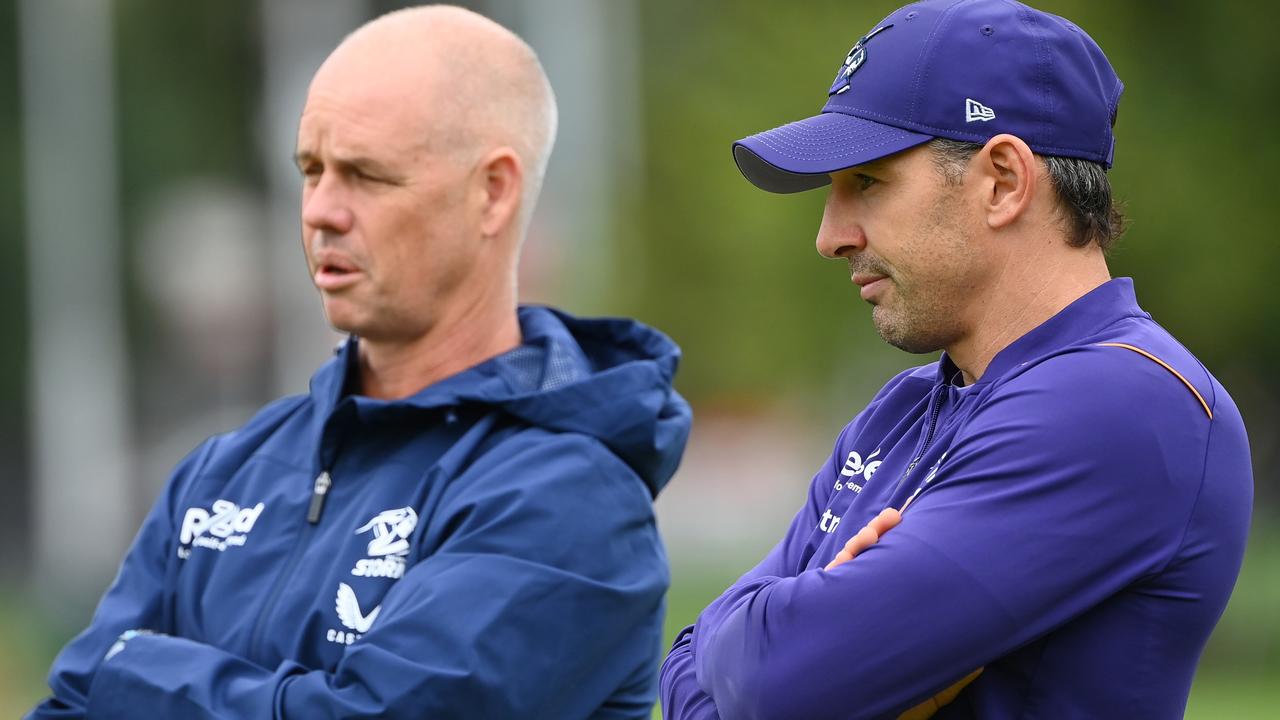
(79, 381)
(297, 35)
(590, 51)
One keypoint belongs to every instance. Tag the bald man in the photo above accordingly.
(457, 521)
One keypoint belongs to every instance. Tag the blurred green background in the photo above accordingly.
(645, 215)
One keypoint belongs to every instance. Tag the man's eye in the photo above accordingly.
(865, 181)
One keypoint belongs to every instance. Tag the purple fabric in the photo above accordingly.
(809, 149)
(960, 69)
(1078, 524)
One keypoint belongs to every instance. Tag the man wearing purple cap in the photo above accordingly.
(1047, 521)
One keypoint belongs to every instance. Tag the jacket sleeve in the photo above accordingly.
(541, 598)
(137, 599)
(681, 696)
(680, 692)
(1047, 503)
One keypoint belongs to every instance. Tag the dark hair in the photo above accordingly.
(1084, 192)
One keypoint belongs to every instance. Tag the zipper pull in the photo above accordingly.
(318, 494)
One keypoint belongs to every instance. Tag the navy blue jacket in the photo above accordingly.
(485, 549)
(1076, 522)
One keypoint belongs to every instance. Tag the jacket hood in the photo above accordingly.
(609, 378)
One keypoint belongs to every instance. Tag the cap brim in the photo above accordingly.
(799, 156)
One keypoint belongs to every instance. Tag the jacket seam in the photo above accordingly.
(1191, 512)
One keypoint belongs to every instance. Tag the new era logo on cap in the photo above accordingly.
(974, 111)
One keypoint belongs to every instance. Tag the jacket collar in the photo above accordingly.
(1090, 313)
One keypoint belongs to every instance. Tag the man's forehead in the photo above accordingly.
(897, 162)
(387, 61)
(358, 125)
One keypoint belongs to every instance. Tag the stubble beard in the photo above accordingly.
(911, 331)
(921, 315)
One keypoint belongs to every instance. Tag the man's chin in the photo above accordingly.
(342, 317)
(893, 331)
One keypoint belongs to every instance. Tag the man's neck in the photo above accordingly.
(1026, 299)
(391, 370)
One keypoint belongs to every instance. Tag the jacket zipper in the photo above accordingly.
(319, 491)
(928, 438)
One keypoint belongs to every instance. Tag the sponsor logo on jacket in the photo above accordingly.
(855, 468)
(387, 550)
(829, 521)
(349, 614)
(224, 525)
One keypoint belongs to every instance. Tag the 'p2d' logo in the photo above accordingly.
(225, 524)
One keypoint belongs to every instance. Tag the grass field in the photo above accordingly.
(1238, 680)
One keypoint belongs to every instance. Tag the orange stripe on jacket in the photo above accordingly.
(1168, 367)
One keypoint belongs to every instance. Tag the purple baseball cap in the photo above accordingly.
(961, 69)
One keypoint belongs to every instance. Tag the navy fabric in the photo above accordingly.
(961, 69)
(487, 549)
(1077, 524)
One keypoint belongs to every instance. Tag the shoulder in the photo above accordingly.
(1102, 406)
(271, 416)
(1131, 376)
(222, 454)
(902, 392)
(266, 421)
(915, 380)
(558, 498)
(562, 467)
(899, 397)
(528, 443)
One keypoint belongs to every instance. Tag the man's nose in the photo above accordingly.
(325, 206)
(840, 234)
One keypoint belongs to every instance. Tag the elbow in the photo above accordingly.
(781, 681)
(755, 686)
(759, 697)
(744, 673)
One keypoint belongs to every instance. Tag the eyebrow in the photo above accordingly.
(876, 165)
(357, 162)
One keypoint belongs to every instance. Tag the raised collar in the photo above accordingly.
(1086, 316)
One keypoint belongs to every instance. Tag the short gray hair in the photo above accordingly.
(1082, 186)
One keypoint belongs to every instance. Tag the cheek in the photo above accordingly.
(939, 249)
(417, 240)
(430, 258)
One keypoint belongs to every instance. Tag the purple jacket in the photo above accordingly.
(1078, 522)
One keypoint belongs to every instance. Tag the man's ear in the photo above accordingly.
(501, 180)
(1008, 171)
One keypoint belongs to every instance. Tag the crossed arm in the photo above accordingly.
(987, 560)
(504, 619)
(866, 537)
(690, 702)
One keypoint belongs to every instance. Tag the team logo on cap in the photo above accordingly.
(856, 58)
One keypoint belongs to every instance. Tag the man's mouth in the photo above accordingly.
(870, 283)
(335, 274)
